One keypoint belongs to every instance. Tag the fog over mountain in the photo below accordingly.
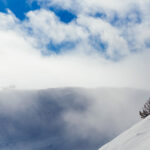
(74, 74)
(66, 118)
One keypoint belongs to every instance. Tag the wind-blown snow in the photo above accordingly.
(136, 138)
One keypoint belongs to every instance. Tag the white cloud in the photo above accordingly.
(107, 33)
(50, 28)
(47, 26)
(122, 35)
(22, 64)
(88, 6)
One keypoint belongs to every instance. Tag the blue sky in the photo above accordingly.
(21, 7)
(18, 7)
(89, 43)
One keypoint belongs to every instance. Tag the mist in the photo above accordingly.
(71, 85)
(70, 118)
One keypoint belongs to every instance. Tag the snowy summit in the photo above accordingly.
(136, 138)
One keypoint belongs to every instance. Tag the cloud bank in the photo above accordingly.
(70, 118)
(106, 45)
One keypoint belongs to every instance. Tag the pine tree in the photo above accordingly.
(146, 110)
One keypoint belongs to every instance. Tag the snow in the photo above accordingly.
(135, 138)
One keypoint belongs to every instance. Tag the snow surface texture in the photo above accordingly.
(136, 138)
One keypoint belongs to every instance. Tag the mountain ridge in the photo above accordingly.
(135, 138)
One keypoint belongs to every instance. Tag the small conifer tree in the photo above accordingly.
(146, 110)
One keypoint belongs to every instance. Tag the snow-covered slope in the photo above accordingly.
(136, 138)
